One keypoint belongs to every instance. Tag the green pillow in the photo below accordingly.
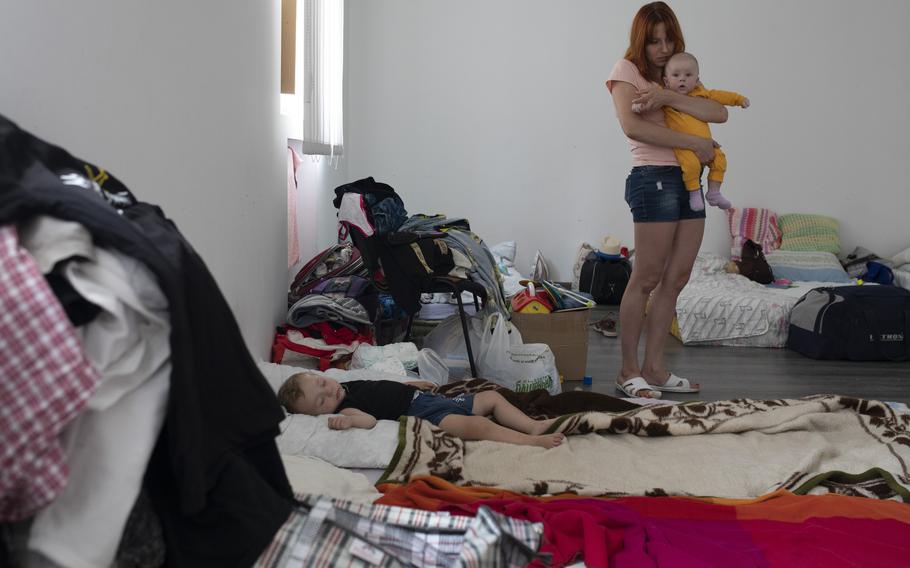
(809, 233)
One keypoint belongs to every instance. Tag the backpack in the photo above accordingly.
(753, 264)
(604, 278)
(337, 260)
(859, 323)
(356, 287)
(410, 261)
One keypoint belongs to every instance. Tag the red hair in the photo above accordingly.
(646, 19)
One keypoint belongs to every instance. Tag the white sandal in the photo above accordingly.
(634, 386)
(676, 384)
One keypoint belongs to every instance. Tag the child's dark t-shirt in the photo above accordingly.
(384, 400)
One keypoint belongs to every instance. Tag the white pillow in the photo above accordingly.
(318, 477)
(276, 374)
(303, 435)
(807, 266)
(903, 257)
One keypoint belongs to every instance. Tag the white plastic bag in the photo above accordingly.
(504, 359)
(392, 356)
(447, 338)
(431, 367)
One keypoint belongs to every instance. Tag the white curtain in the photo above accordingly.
(323, 67)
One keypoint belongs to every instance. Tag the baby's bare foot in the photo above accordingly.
(549, 440)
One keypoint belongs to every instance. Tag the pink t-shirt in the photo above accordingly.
(642, 154)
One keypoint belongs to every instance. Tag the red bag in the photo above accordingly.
(297, 346)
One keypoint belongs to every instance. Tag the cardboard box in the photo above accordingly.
(565, 332)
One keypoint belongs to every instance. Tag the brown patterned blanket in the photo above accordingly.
(738, 448)
(540, 403)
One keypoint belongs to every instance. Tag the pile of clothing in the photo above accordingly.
(332, 318)
(135, 427)
(864, 264)
(404, 254)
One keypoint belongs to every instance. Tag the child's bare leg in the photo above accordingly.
(714, 196)
(491, 402)
(481, 428)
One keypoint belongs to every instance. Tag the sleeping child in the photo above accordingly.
(360, 404)
(681, 75)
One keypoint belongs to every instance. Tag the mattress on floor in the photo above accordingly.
(723, 309)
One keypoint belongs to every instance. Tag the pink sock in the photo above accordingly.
(695, 201)
(718, 200)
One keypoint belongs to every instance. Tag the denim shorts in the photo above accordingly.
(657, 193)
(434, 407)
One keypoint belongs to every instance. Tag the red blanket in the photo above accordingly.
(780, 529)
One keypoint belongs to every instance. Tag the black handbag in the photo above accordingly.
(604, 278)
(753, 265)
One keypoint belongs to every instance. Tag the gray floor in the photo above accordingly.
(740, 372)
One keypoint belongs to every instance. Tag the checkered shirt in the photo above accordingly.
(45, 380)
(334, 532)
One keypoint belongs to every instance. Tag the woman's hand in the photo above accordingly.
(422, 385)
(652, 98)
(704, 149)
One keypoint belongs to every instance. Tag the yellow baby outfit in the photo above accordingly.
(682, 122)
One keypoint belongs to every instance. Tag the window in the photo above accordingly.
(314, 109)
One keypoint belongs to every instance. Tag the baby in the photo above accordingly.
(681, 75)
(360, 403)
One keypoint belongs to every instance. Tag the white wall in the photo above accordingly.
(317, 177)
(497, 111)
(180, 101)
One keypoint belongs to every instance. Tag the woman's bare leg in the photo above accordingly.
(675, 275)
(653, 243)
(492, 403)
(480, 428)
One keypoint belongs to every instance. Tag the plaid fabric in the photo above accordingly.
(340, 533)
(752, 224)
(46, 381)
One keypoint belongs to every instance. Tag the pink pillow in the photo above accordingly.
(752, 224)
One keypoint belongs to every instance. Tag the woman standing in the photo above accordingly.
(668, 232)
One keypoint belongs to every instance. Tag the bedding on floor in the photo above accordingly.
(762, 449)
(333, 532)
(737, 449)
(315, 476)
(718, 308)
(778, 529)
(302, 435)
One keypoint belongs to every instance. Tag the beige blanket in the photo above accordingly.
(738, 449)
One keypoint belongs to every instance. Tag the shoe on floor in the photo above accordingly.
(676, 384)
(636, 387)
(607, 327)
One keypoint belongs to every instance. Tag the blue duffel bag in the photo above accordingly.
(859, 323)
